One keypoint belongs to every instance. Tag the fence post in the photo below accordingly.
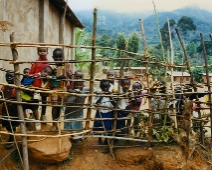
(19, 106)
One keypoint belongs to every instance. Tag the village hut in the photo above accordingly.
(36, 21)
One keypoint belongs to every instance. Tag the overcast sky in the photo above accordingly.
(137, 5)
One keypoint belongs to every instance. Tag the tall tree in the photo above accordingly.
(133, 42)
(186, 25)
(191, 49)
(165, 33)
(208, 47)
(120, 43)
(82, 38)
(105, 41)
(197, 74)
(133, 46)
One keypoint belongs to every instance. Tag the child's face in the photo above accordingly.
(125, 85)
(58, 56)
(111, 75)
(42, 52)
(26, 72)
(78, 85)
(10, 78)
(136, 87)
(78, 75)
(46, 71)
(105, 87)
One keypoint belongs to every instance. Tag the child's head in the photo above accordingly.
(78, 74)
(125, 84)
(58, 55)
(111, 74)
(162, 87)
(42, 52)
(104, 85)
(26, 71)
(10, 77)
(46, 71)
(137, 86)
(78, 85)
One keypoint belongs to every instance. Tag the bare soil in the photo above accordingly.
(158, 157)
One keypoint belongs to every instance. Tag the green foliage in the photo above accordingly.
(16, 158)
(67, 161)
(165, 33)
(186, 24)
(164, 134)
(105, 41)
(208, 48)
(82, 38)
(133, 42)
(143, 118)
(191, 49)
(197, 74)
(120, 42)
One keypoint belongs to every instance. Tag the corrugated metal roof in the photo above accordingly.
(70, 16)
(178, 73)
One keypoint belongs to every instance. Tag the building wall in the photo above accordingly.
(24, 14)
(204, 78)
(185, 79)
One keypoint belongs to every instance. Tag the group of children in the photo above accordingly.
(54, 79)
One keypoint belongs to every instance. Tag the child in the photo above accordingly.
(26, 73)
(61, 71)
(9, 93)
(45, 73)
(77, 75)
(35, 68)
(103, 101)
(111, 75)
(77, 102)
(42, 52)
(135, 103)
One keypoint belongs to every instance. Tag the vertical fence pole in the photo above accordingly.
(208, 84)
(19, 106)
(92, 70)
(172, 80)
(148, 83)
(193, 84)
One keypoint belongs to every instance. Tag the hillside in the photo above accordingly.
(112, 23)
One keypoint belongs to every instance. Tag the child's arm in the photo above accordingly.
(112, 101)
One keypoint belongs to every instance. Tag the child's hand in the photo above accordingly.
(49, 77)
(77, 90)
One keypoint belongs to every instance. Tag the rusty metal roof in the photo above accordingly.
(70, 16)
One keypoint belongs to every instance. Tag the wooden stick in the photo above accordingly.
(172, 79)
(121, 71)
(3, 159)
(20, 109)
(148, 83)
(92, 73)
(159, 33)
(209, 86)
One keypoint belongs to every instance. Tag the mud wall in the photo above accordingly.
(25, 17)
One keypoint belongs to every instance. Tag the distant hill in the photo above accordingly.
(112, 23)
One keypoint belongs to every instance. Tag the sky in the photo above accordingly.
(130, 6)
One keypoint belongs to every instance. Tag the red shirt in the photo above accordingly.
(37, 67)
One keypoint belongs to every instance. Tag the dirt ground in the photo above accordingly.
(158, 157)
